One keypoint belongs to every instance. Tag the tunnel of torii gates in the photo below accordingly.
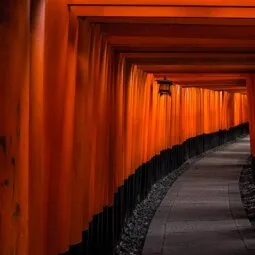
(84, 132)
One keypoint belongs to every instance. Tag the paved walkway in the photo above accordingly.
(202, 213)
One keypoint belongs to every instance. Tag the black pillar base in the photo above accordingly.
(253, 168)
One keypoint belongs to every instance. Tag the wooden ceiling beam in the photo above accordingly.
(198, 68)
(182, 49)
(212, 86)
(164, 2)
(174, 21)
(167, 41)
(179, 31)
(190, 61)
(157, 11)
(214, 82)
(174, 55)
(216, 88)
(191, 71)
(202, 76)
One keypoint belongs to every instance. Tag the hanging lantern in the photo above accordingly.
(165, 86)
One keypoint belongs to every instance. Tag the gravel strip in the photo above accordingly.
(247, 191)
(136, 228)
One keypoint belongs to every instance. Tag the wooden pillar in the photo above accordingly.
(58, 96)
(14, 107)
(37, 173)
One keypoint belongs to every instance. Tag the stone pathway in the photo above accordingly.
(202, 214)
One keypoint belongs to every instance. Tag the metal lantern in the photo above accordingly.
(165, 86)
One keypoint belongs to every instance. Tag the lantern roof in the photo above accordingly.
(164, 81)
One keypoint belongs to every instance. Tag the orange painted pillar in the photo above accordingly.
(58, 98)
(82, 127)
(14, 137)
(68, 164)
(37, 174)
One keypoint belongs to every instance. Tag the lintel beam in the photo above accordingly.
(162, 11)
(179, 31)
(165, 2)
